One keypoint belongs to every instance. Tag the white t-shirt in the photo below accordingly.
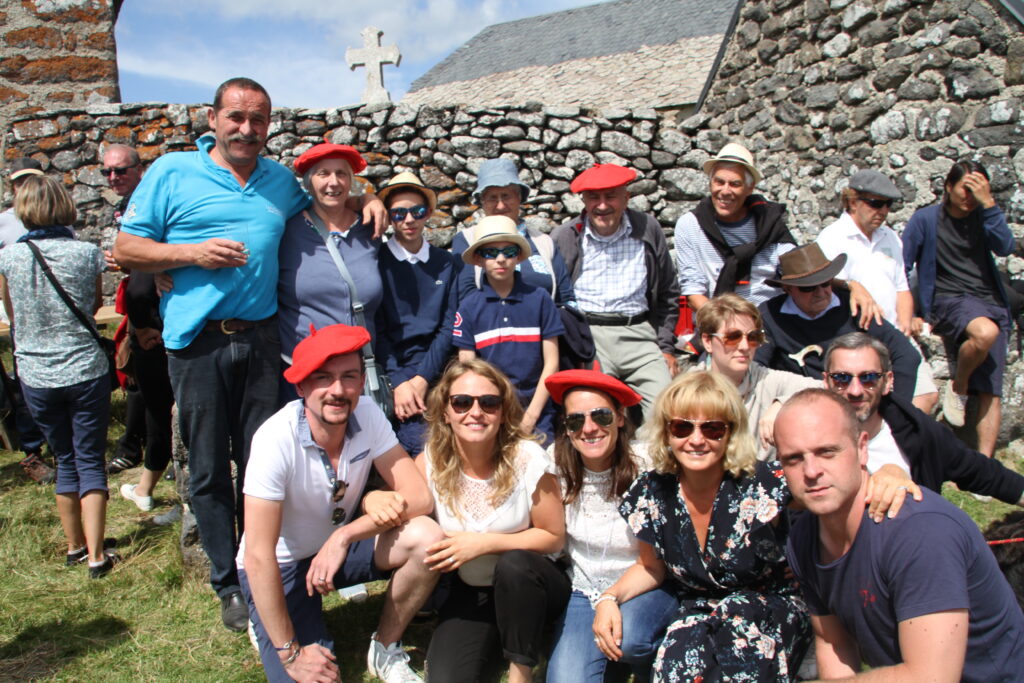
(285, 465)
(875, 263)
(512, 515)
(882, 450)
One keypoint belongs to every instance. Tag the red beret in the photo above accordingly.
(329, 150)
(321, 345)
(602, 177)
(560, 383)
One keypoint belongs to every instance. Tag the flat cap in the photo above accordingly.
(873, 182)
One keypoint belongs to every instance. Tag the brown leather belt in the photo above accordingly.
(234, 325)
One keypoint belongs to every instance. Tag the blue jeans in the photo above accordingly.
(74, 421)
(576, 657)
(225, 386)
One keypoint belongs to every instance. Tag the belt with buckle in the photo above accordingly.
(235, 325)
(611, 319)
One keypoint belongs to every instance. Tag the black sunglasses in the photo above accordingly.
(511, 251)
(398, 214)
(461, 403)
(866, 379)
(337, 493)
(807, 289)
(714, 430)
(602, 417)
(877, 203)
(118, 170)
(732, 337)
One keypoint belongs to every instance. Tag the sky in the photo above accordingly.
(180, 51)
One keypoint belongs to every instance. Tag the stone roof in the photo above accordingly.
(662, 49)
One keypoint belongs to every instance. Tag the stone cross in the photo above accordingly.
(373, 57)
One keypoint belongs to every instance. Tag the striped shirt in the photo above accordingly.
(613, 274)
(698, 262)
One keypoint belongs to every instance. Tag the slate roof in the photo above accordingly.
(581, 33)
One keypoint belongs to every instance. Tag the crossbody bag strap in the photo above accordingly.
(65, 297)
(353, 294)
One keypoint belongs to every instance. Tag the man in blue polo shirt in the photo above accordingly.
(214, 218)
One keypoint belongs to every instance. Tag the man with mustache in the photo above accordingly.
(624, 280)
(810, 313)
(307, 533)
(214, 219)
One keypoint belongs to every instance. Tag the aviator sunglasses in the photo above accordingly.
(398, 214)
(337, 493)
(807, 289)
(732, 337)
(118, 171)
(602, 417)
(866, 379)
(715, 430)
(511, 251)
(461, 403)
(877, 203)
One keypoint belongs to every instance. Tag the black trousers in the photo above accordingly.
(480, 628)
(157, 399)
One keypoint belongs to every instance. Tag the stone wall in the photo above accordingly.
(56, 53)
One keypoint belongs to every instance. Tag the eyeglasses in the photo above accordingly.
(602, 417)
(807, 289)
(511, 251)
(714, 430)
(337, 494)
(866, 379)
(461, 403)
(398, 214)
(118, 170)
(877, 203)
(732, 338)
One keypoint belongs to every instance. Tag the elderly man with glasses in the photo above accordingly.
(804, 320)
(874, 255)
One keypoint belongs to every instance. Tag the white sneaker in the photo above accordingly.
(390, 664)
(953, 405)
(144, 503)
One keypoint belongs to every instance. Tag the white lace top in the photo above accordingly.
(599, 542)
(480, 515)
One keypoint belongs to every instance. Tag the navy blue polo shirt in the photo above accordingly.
(508, 332)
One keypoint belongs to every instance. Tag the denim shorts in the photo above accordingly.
(950, 317)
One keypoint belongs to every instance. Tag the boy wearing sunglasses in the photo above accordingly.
(414, 320)
(306, 533)
(509, 323)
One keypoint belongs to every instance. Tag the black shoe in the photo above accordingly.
(82, 554)
(124, 461)
(108, 563)
(234, 612)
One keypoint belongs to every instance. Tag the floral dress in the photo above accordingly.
(739, 618)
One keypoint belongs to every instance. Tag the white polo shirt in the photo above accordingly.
(876, 263)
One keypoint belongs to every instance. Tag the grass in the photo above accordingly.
(150, 620)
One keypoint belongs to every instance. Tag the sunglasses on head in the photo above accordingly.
(398, 214)
(715, 430)
(118, 170)
(732, 337)
(602, 417)
(807, 289)
(338, 490)
(877, 203)
(511, 251)
(461, 403)
(866, 379)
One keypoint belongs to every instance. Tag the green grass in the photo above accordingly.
(150, 620)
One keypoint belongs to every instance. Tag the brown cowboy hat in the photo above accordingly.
(805, 266)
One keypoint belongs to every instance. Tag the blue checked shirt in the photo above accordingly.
(613, 277)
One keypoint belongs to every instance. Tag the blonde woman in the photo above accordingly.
(496, 498)
(711, 519)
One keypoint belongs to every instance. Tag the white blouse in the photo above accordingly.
(479, 515)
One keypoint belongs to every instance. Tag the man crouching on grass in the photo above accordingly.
(307, 471)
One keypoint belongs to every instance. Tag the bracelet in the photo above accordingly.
(604, 597)
(286, 646)
(293, 656)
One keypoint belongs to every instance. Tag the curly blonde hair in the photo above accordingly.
(442, 447)
(712, 396)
